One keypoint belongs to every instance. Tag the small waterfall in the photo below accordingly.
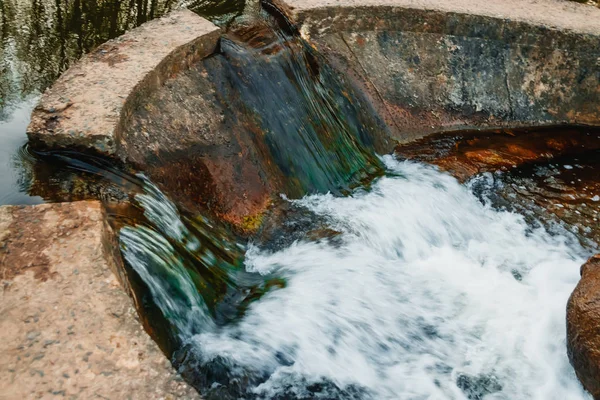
(425, 292)
(187, 270)
(302, 114)
(318, 136)
(192, 268)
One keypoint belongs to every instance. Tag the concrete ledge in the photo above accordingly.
(436, 65)
(67, 327)
(90, 104)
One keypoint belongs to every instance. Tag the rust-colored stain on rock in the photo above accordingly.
(466, 153)
(583, 320)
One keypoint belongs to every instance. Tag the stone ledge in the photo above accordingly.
(67, 327)
(89, 105)
(552, 14)
(440, 65)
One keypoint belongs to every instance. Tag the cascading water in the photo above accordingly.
(314, 127)
(191, 268)
(419, 290)
(318, 139)
(427, 294)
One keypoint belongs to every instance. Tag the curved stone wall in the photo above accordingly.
(423, 66)
(90, 105)
(443, 65)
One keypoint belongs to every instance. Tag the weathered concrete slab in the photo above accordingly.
(67, 327)
(90, 104)
(441, 65)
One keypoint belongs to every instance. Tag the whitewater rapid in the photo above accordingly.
(426, 294)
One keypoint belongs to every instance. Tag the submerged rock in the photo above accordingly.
(583, 322)
(466, 153)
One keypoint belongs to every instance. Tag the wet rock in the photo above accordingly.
(236, 140)
(548, 174)
(477, 387)
(583, 320)
(67, 326)
(467, 153)
(430, 66)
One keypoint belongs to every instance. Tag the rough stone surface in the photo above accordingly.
(467, 153)
(583, 319)
(557, 14)
(442, 65)
(184, 131)
(67, 327)
(90, 104)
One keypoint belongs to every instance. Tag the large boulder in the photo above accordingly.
(583, 327)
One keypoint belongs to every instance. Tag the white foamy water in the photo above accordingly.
(428, 294)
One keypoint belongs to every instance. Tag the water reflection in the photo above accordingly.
(41, 38)
(14, 172)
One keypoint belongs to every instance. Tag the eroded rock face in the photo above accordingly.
(67, 327)
(583, 322)
(431, 66)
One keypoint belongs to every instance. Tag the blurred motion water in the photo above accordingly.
(418, 290)
(427, 294)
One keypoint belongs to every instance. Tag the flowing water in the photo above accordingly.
(426, 294)
(416, 287)
(316, 129)
(40, 39)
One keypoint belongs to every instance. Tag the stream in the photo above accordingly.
(426, 293)
(389, 277)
